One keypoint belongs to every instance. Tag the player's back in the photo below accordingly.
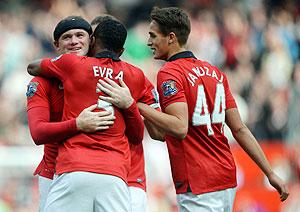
(80, 76)
(205, 150)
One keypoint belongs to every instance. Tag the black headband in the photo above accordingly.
(71, 23)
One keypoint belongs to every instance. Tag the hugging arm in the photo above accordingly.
(43, 131)
(120, 97)
(34, 68)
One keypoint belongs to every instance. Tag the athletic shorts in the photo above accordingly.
(44, 187)
(86, 192)
(138, 199)
(217, 201)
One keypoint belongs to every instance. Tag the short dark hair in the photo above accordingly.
(111, 33)
(71, 22)
(172, 19)
(101, 18)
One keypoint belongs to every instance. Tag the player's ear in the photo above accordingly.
(120, 52)
(56, 45)
(172, 38)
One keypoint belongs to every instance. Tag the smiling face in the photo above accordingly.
(158, 42)
(74, 41)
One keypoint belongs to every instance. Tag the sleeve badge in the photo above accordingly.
(169, 88)
(31, 89)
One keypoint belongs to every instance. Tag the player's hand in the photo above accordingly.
(89, 121)
(119, 96)
(279, 185)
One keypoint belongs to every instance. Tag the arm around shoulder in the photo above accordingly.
(34, 67)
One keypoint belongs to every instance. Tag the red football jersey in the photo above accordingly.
(136, 175)
(202, 162)
(105, 152)
(46, 94)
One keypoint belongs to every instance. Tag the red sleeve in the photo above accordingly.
(58, 67)
(230, 102)
(150, 96)
(38, 110)
(134, 124)
(37, 93)
(43, 131)
(170, 87)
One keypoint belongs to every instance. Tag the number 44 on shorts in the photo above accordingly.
(218, 114)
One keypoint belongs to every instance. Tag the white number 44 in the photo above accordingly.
(218, 114)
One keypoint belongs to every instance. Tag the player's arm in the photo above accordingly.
(58, 67)
(250, 145)
(174, 121)
(154, 132)
(120, 97)
(150, 97)
(34, 68)
(43, 131)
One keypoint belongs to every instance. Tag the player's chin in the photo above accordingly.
(79, 52)
(156, 56)
(159, 57)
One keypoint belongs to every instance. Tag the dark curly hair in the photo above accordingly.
(111, 33)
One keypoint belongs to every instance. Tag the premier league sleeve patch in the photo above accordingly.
(31, 89)
(169, 88)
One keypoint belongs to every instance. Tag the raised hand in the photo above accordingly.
(117, 95)
(89, 121)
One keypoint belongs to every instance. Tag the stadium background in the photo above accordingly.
(255, 42)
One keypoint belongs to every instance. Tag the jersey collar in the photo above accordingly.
(184, 54)
(108, 54)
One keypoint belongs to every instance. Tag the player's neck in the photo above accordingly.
(176, 50)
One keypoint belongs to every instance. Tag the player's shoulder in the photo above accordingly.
(68, 56)
(209, 65)
(132, 68)
(37, 84)
(46, 84)
(173, 68)
(40, 81)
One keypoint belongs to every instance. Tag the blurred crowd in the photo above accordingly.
(257, 44)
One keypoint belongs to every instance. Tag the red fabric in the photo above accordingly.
(134, 136)
(137, 176)
(203, 162)
(43, 131)
(105, 152)
(44, 104)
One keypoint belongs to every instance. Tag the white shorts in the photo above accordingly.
(138, 199)
(44, 187)
(86, 192)
(217, 201)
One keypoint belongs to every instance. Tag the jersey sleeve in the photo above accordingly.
(150, 96)
(38, 111)
(37, 93)
(43, 131)
(134, 124)
(230, 101)
(170, 87)
(58, 67)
